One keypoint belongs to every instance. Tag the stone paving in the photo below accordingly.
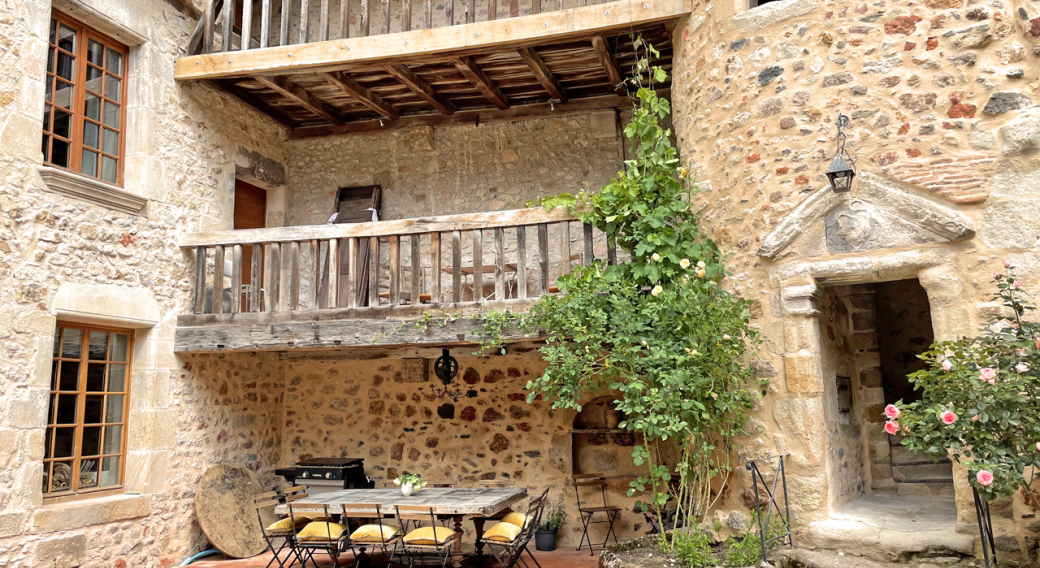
(560, 558)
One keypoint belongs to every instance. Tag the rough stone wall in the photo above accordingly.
(373, 410)
(942, 97)
(57, 250)
(460, 169)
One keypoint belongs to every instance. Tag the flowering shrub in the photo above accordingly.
(981, 399)
(658, 329)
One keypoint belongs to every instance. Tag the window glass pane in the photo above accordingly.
(116, 377)
(111, 142)
(47, 444)
(63, 94)
(66, 409)
(115, 62)
(50, 61)
(91, 441)
(108, 169)
(54, 378)
(65, 67)
(63, 440)
(50, 410)
(112, 87)
(114, 412)
(92, 409)
(92, 107)
(66, 38)
(54, 29)
(119, 342)
(113, 439)
(61, 477)
(49, 94)
(46, 477)
(96, 377)
(60, 153)
(94, 76)
(95, 52)
(88, 474)
(69, 376)
(89, 163)
(57, 341)
(98, 345)
(72, 343)
(109, 471)
(62, 123)
(45, 148)
(111, 115)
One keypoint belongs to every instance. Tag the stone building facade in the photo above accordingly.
(943, 98)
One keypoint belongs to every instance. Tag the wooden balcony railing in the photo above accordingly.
(271, 23)
(446, 262)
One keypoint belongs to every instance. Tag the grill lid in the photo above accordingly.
(331, 462)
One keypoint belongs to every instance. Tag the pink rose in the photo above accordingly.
(946, 365)
(996, 276)
(988, 375)
(992, 381)
(892, 427)
(1007, 264)
(1017, 283)
(984, 477)
(1022, 368)
(891, 411)
(1038, 446)
(976, 419)
(948, 417)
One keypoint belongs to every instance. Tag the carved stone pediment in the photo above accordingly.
(879, 213)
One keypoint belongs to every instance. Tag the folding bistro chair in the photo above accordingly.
(433, 539)
(284, 530)
(509, 538)
(322, 535)
(587, 512)
(481, 519)
(374, 535)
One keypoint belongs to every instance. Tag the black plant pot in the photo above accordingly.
(545, 540)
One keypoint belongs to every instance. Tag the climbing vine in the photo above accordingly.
(658, 329)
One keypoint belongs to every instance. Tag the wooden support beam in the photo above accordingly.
(607, 61)
(421, 89)
(486, 86)
(573, 24)
(543, 74)
(371, 100)
(472, 117)
(282, 86)
(256, 103)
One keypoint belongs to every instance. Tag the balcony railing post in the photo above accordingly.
(456, 266)
(333, 270)
(247, 24)
(218, 279)
(589, 256)
(352, 272)
(565, 249)
(265, 23)
(521, 262)
(344, 19)
(283, 24)
(274, 283)
(227, 19)
(500, 263)
(478, 266)
(366, 16)
(313, 296)
(406, 15)
(236, 279)
(207, 26)
(254, 278)
(305, 21)
(395, 270)
(323, 22)
(200, 279)
(543, 259)
(435, 268)
(416, 271)
(294, 275)
(373, 271)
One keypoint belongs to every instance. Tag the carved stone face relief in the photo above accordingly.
(855, 223)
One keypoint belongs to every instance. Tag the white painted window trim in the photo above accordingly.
(92, 190)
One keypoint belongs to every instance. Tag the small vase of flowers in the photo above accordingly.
(409, 483)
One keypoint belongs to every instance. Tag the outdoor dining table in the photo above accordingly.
(446, 502)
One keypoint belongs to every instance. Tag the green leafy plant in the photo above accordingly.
(746, 549)
(693, 547)
(978, 399)
(413, 478)
(657, 329)
(555, 515)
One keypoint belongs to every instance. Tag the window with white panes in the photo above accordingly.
(86, 421)
(84, 114)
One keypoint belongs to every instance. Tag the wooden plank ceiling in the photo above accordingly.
(467, 86)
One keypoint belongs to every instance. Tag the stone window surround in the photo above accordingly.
(95, 191)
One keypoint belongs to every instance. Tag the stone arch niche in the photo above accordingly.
(599, 445)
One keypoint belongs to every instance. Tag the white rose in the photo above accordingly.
(684, 263)
(655, 257)
(657, 290)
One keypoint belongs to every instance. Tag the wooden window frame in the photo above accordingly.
(84, 34)
(74, 492)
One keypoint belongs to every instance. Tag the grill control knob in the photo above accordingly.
(305, 475)
(328, 475)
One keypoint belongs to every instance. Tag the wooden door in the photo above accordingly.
(250, 213)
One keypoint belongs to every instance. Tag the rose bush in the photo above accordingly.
(989, 379)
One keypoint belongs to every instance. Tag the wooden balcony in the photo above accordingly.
(368, 284)
(350, 66)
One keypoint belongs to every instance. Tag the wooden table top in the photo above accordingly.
(445, 501)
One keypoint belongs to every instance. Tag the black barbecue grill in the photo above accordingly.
(328, 474)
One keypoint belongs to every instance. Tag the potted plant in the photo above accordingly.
(409, 483)
(552, 520)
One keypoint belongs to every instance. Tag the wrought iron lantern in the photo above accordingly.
(445, 368)
(842, 168)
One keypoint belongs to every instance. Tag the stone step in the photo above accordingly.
(923, 473)
(886, 545)
(928, 489)
(902, 456)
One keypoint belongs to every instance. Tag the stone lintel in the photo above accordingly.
(816, 206)
(92, 190)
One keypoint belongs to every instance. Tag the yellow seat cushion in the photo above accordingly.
(514, 518)
(286, 524)
(502, 532)
(429, 536)
(371, 533)
(321, 531)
